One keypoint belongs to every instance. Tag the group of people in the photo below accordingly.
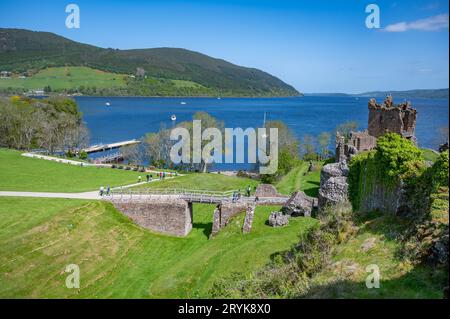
(237, 194)
(104, 191)
(160, 175)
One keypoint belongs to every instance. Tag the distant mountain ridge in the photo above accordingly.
(409, 94)
(23, 50)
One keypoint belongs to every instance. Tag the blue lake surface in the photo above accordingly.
(131, 117)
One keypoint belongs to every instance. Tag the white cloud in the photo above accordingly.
(434, 23)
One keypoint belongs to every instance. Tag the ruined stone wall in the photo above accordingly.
(223, 213)
(400, 119)
(167, 216)
(333, 185)
(229, 210)
(362, 141)
(248, 221)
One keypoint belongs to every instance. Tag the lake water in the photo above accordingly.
(131, 117)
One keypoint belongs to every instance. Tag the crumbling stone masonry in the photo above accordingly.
(169, 216)
(248, 221)
(388, 117)
(223, 213)
(333, 185)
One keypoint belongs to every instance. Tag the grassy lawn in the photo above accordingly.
(39, 237)
(66, 78)
(345, 276)
(429, 155)
(204, 181)
(19, 173)
(300, 179)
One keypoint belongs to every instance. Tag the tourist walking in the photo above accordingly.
(108, 190)
(139, 178)
(164, 175)
(148, 178)
(248, 190)
(102, 189)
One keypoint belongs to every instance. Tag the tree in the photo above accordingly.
(288, 151)
(308, 147)
(346, 128)
(324, 139)
(132, 154)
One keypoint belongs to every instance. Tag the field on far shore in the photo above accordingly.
(66, 78)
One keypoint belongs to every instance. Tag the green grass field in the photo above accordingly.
(300, 179)
(19, 173)
(204, 181)
(66, 78)
(118, 259)
(429, 155)
(60, 78)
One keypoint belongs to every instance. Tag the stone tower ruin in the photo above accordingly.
(383, 118)
(388, 117)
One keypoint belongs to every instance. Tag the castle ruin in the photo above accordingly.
(383, 118)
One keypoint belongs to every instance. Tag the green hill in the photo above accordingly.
(24, 51)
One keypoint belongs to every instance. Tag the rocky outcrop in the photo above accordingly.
(277, 219)
(333, 184)
(299, 204)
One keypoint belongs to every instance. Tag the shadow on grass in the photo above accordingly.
(312, 191)
(207, 228)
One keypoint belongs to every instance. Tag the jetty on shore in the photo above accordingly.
(106, 147)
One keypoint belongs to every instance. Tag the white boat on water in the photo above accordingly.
(108, 104)
(182, 103)
(173, 117)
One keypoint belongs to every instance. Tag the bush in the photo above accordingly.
(393, 152)
(83, 155)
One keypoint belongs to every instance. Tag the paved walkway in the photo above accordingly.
(82, 195)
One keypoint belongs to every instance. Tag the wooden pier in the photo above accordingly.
(106, 147)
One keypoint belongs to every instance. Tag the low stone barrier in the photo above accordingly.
(169, 216)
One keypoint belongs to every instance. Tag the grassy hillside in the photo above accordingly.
(66, 78)
(345, 276)
(90, 81)
(117, 259)
(300, 179)
(19, 173)
(204, 181)
(24, 51)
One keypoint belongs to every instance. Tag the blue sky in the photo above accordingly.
(317, 46)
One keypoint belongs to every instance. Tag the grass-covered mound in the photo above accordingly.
(203, 181)
(20, 173)
(117, 259)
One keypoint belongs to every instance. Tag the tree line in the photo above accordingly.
(53, 124)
